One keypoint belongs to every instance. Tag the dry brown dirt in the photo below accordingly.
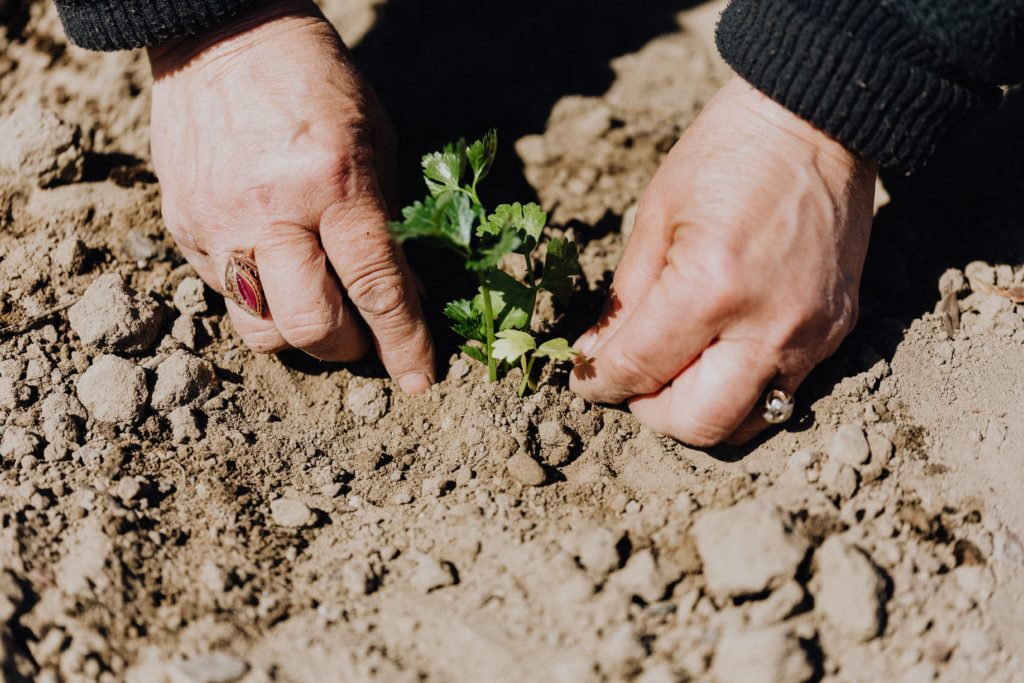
(173, 508)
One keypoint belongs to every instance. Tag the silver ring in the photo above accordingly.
(778, 406)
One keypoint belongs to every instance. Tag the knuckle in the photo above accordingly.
(265, 341)
(700, 431)
(627, 372)
(715, 274)
(307, 330)
(379, 292)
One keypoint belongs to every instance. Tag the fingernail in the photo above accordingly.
(415, 383)
(586, 343)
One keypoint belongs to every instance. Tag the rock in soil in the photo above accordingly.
(114, 390)
(556, 443)
(183, 379)
(431, 573)
(641, 577)
(369, 401)
(291, 513)
(526, 470)
(597, 549)
(849, 446)
(111, 316)
(746, 549)
(13, 394)
(771, 655)
(212, 667)
(839, 479)
(848, 589)
(18, 442)
(190, 297)
(37, 144)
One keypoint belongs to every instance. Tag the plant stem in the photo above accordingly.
(529, 271)
(492, 366)
(527, 371)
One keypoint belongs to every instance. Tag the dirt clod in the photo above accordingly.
(111, 316)
(190, 297)
(291, 513)
(39, 145)
(183, 379)
(212, 667)
(771, 655)
(526, 470)
(746, 549)
(369, 401)
(849, 591)
(430, 573)
(113, 390)
(849, 446)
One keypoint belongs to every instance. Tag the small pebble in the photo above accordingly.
(431, 573)
(212, 667)
(849, 446)
(291, 513)
(526, 470)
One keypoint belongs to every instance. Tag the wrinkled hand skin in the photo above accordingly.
(742, 271)
(269, 145)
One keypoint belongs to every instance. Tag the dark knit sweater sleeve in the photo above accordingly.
(893, 80)
(125, 24)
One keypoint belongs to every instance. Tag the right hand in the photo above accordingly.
(269, 145)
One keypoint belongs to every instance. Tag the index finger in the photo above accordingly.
(379, 284)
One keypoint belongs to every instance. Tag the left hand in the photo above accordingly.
(742, 271)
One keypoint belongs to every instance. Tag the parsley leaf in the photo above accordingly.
(474, 352)
(516, 301)
(512, 345)
(560, 265)
(528, 221)
(556, 349)
(481, 155)
(443, 170)
(467, 319)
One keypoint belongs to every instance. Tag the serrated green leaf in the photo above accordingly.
(511, 345)
(481, 155)
(489, 254)
(560, 266)
(516, 301)
(556, 349)
(527, 220)
(443, 170)
(419, 220)
(459, 218)
(446, 220)
(474, 352)
(467, 319)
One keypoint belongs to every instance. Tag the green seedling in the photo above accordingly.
(453, 217)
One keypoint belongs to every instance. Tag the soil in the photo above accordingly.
(174, 508)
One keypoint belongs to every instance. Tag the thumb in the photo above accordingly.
(379, 284)
(638, 270)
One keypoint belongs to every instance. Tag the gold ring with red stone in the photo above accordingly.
(242, 284)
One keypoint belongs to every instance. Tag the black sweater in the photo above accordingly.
(892, 79)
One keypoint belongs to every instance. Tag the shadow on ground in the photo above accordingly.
(445, 69)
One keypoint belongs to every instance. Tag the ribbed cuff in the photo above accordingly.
(854, 71)
(124, 24)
